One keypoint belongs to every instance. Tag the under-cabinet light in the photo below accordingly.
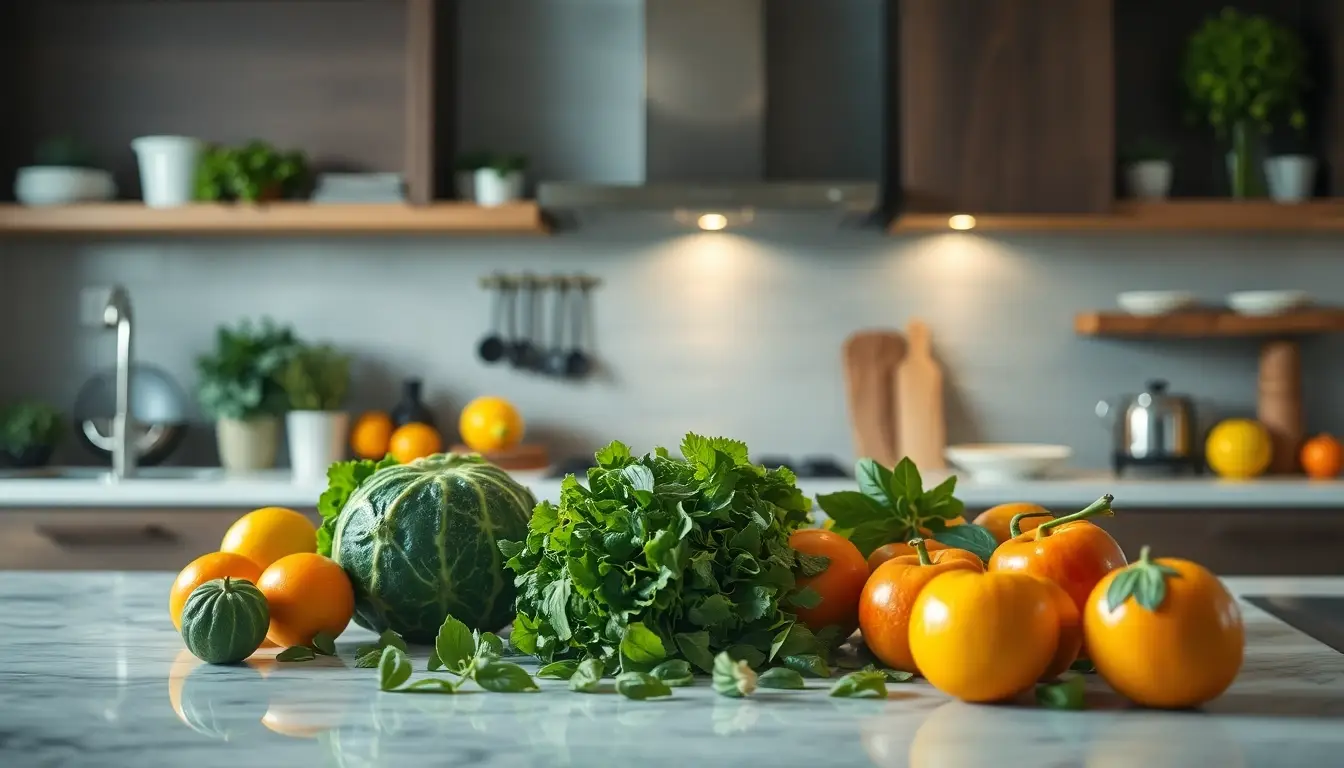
(712, 222)
(961, 222)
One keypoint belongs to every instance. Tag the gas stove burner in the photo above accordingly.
(809, 468)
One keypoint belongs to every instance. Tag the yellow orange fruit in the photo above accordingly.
(414, 441)
(490, 424)
(1322, 457)
(307, 593)
(268, 534)
(215, 565)
(1238, 448)
(996, 519)
(371, 435)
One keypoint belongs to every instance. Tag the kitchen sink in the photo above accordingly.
(104, 475)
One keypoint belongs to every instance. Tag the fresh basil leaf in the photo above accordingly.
(812, 565)
(875, 482)
(488, 642)
(324, 643)
(805, 598)
(875, 533)
(559, 670)
(970, 537)
(368, 660)
(454, 645)
(695, 647)
(861, 684)
(896, 675)
(850, 509)
(394, 668)
(675, 672)
(435, 663)
(430, 685)
(641, 645)
(808, 664)
(904, 481)
(504, 677)
(390, 637)
(1067, 693)
(641, 685)
(587, 676)
(780, 677)
(941, 495)
(733, 678)
(296, 653)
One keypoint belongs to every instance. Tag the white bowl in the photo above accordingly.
(1154, 302)
(61, 185)
(1266, 302)
(1000, 462)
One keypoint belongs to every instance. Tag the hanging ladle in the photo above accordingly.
(492, 347)
(578, 363)
(523, 353)
(557, 358)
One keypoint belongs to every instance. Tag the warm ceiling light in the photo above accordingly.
(962, 222)
(712, 222)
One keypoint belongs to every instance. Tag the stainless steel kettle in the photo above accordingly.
(1152, 427)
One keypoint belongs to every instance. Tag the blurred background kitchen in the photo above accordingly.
(689, 209)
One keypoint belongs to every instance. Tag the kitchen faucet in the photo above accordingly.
(117, 314)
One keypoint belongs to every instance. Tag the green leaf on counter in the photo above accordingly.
(343, 477)
(559, 670)
(897, 676)
(504, 677)
(1066, 693)
(394, 668)
(812, 565)
(733, 678)
(324, 643)
(296, 653)
(430, 685)
(780, 677)
(808, 664)
(970, 537)
(862, 684)
(805, 598)
(641, 646)
(369, 660)
(675, 672)
(488, 642)
(587, 677)
(454, 646)
(641, 685)
(390, 637)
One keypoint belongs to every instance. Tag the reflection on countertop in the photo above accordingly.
(93, 674)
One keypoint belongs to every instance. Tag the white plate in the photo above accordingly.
(1001, 462)
(1154, 302)
(1266, 302)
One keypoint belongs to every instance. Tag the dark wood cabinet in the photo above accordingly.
(1005, 107)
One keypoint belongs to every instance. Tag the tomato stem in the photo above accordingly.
(1143, 555)
(1101, 507)
(1015, 525)
(921, 550)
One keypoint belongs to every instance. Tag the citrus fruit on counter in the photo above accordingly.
(414, 441)
(1238, 448)
(839, 585)
(1322, 457)
(371, 435)
(490, 424)
(996, 519)
(307, 594)
(215, 565)
(268, 534)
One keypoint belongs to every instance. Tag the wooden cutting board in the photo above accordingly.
(519, 458)
(921, 428)
(870, 359)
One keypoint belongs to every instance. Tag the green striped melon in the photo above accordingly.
(225, 620)
(418, 542)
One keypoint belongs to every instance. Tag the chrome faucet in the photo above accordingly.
(117, 314)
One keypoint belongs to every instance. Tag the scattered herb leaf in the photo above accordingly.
(1066, 693)
(296, 653)
(675, 672)
(504, 677)
(369, 660)
(780, 677)
(394, 668)
(587, 677)
(454, 646)
(641, 685)
(431, 685)
(390, 637)
(808, 664)
(324, 643)
(897, 676)
(559, 670)
(862, 684)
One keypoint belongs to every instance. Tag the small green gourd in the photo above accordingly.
(225, 620)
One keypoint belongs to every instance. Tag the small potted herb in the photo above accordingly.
(29, 432)
(167, 168)
(500, 181)
(239, 389)
(1290, 168)
(255, 172)
(64, 171)
(1148, 169)
(464, 173)
(315, 381)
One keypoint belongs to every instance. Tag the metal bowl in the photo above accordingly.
(159, 411)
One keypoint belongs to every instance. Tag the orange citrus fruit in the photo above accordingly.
(996, 519)
(268, 534)
(1322, 457)
(371, 435)
(215, 565)
(490, 424)
(307, 593)
(415, 441)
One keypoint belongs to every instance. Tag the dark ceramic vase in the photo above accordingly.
(411, 408)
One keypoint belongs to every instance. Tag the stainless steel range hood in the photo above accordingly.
(704, 126)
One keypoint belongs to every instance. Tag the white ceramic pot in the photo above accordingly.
(1290, 177)
(167, 169)
(494, 188)
(249, 444)
(1149, 179)
(316, 441)
(62, 185)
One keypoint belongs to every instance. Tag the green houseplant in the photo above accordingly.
(500, 180)
(240, 390)
(29, 432)
(316, 380)
(1243, 73)
(253, 172)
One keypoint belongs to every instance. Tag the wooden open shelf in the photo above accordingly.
(273, 219)
(1194, 215)
(1200, 324)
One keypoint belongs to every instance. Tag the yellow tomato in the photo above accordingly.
(490, 424)
(1238, 448)
(268, 534)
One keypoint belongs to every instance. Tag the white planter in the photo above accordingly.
(494, 188)
(1149, 179)
(464, 185)
(248, 445)
(167, 169)
(316, 441)
(61, 185)
(1290, 177)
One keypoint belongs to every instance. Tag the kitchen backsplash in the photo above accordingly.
(719, 333)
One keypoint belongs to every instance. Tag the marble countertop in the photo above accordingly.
(92, 674)
(216, 489)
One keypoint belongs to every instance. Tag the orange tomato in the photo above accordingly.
(1070, 631)
(839, 585)
(1070, 551)
(884, 604)
(1322, 457)
(215, 565)
(996, 519)
(984, 637)
(268, 534)
(1174, 638)
(371, 435)
(490, 424)
(414, 441)
(307, 593)
(899, 549)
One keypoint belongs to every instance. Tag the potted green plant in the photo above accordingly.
(1290, 168)
(464, 173)
(240, 391)
(255, 172)
(1148, 168)
(167, 168)
(29, 432)
(315, 381)
(1243, 73)
(64, 171)
(501, 180)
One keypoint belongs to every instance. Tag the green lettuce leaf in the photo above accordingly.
(343, 478)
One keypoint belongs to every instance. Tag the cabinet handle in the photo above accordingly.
(107, 535)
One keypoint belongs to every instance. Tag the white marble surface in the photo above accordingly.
(92, 674)
(277, 487)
